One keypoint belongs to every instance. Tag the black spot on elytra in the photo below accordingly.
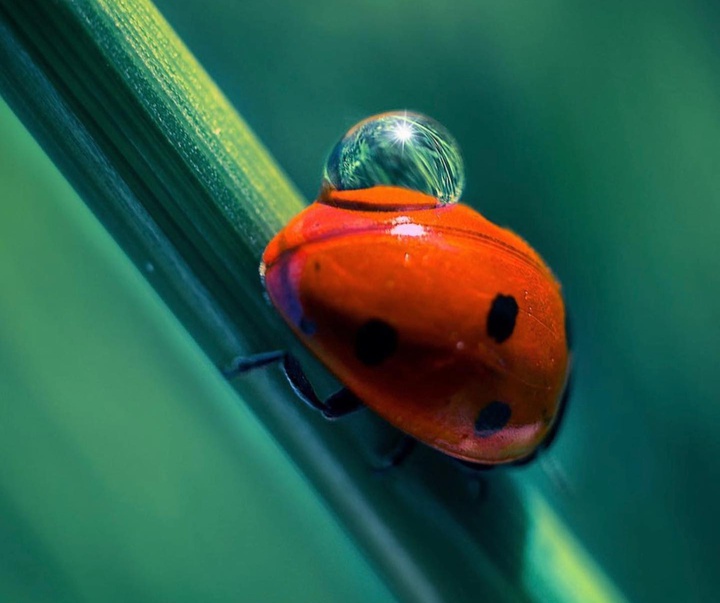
(501, 319)
(375, 342)
(492, 419)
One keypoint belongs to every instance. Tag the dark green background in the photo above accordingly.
(593, 129)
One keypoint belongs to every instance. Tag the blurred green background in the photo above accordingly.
(592, 129)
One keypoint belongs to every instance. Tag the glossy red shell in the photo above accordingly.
(432, 273)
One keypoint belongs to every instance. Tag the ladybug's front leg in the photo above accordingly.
(339, 404)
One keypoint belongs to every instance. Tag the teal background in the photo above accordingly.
(593, 129)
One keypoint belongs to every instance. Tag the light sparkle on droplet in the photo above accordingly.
(403, 132)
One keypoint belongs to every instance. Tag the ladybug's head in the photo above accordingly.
(407, 152)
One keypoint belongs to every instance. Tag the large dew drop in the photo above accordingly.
(402, 149)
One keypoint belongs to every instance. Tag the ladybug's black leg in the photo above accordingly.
(243, 364)
(477, 481)
(339, 404)
(398, 454)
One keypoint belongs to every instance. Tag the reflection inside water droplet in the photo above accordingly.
(402, 149)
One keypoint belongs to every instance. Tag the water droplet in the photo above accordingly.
(402, 149)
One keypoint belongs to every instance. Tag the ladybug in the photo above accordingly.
(448, 326)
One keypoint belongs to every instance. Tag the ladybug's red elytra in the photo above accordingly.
(446, 325)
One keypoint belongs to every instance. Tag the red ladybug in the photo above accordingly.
(448, 326)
